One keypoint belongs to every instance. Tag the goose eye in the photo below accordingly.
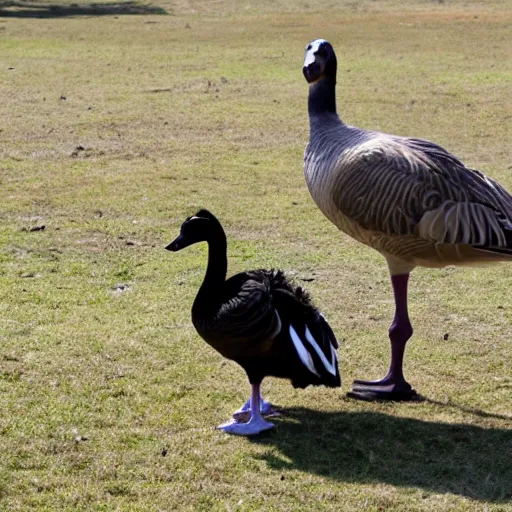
(308, 47)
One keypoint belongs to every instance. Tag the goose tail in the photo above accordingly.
(309, 340)
(506, 248)
(315, 345)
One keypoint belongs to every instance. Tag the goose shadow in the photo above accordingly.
(372, 447)
(19, 9)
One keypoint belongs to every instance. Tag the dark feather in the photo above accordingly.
(295, 309)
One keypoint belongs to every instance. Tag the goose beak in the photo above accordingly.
(176, 245)
(312, 72)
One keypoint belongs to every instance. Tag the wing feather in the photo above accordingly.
(249, 315)
(245, 322)
(401, 186)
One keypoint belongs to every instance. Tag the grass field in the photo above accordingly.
(120, 119)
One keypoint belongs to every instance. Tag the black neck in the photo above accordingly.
(322, 97)
(215, 271)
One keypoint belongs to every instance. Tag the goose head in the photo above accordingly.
(319, 61)
(196, 228)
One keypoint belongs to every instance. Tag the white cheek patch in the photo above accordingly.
(310, 54)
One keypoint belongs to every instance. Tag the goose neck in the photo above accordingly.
(322, 97)
(216, 269)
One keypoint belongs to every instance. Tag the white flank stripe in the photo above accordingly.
(279, 325)
(333, 355)
(304, 355)
(330, 367)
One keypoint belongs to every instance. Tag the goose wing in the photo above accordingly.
(403, 186)
(246, 319)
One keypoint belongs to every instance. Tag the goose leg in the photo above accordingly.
(256, 423)
(393, 386)
(244, 413)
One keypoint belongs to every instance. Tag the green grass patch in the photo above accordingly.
(122, 118)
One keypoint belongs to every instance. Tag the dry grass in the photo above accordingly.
(116, 127)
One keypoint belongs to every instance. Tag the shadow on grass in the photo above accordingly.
(469, 410)
(371, 447)
(19, 9)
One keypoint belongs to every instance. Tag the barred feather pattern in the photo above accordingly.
(406, 197)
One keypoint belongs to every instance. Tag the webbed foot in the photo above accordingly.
(388, 388)
(254, 426)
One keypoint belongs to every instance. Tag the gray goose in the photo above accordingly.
(259, 320)
(408, 198)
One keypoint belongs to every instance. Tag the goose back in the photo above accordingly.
(401, 186)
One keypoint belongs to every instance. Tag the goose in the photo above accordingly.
(408, 198)
(260, 320)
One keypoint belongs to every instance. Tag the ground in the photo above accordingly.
(118, 121)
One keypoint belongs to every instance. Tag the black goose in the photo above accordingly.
(259, 320)
(409, 199)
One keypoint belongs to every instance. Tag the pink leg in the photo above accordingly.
(393, 386)
(244, 413)
(256, 423)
